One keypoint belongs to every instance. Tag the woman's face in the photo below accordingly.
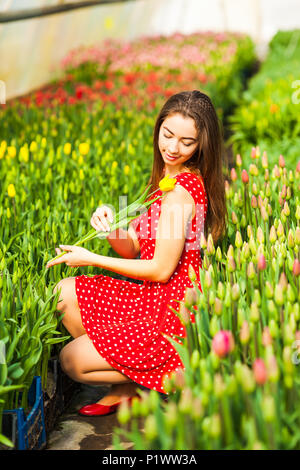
(177, 142)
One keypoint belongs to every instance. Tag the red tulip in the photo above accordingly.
(296, 267)
(261, 265)
(233, 174)
(259, 371)
(281, 161)
(223, 343)
(266, 337)
(298, 167)
(245, 177)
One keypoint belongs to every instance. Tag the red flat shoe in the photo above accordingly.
(95, 409)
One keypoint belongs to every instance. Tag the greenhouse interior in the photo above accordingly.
(150, 226)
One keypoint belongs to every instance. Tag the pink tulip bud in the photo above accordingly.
(261, 265)
(272, 368)
(238, 160)
(203, 242)
(296, 267)
(227, 188)
(184, 314)
(264, 160)
(266, 337)
(298, 167)
(286, 209)
(233, 174)
(283, 191)
(253, 152)
(283, 281)
(190, 296)
(267, 175)
(223, 343)
(269, 210)
(253, 169)
(207, 280)
(276, 171)
(191, 273)
(234, 218)
(210, 245)
(273, 236)
(260, 235)
(280, 229)
(245, 332)
(291, 241)
(245, 177)
(254, 202)
(281, 161)
(264, 213)
(259, 371)
(179, 378)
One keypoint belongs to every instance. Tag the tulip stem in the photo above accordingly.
(256, 341)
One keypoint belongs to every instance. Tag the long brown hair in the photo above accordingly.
(207, 159)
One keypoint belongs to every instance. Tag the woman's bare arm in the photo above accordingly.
(124, 242)
(176, 210)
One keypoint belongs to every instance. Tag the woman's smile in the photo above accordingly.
(169, 157)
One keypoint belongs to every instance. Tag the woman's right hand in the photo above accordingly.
(100, 218)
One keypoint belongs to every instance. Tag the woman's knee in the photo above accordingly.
(67, 292)
(68, 362)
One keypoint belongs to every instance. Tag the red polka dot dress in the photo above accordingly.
(125, 320)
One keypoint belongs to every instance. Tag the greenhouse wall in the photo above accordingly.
(31, 50)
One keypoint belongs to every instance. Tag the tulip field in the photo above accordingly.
(240, 387)
(85, 140)
(268, 113)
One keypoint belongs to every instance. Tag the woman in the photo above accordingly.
(118, 325)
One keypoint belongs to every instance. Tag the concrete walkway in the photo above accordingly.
(75, 432)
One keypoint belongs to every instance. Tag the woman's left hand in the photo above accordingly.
(76, 256)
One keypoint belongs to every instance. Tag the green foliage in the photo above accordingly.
(267, 115)
(224, 398)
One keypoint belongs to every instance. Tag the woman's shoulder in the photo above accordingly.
(193, 183)
(191, 180)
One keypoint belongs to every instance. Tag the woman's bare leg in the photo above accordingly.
(68, 304)
(81, 361)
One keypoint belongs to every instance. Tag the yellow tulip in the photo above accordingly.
(81, 174)
(67, 148)
(33, 146)
(24, 154)
(167, 183)
(80, 160)
(11, 190)
(8, 213)
(1, 152)
(11, 151)
(126, 169)
(114, 165)
(84, 148)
